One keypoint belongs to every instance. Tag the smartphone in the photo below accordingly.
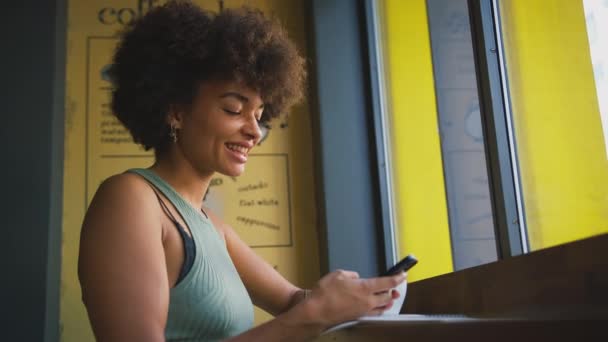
(402, 266)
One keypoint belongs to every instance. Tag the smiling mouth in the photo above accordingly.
(238, 149)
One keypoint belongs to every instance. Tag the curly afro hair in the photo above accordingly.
(164, 56)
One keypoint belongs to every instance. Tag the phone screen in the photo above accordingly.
(402, 266)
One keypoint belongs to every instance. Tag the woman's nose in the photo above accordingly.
(252, 129)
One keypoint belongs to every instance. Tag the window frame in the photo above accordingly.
(499, 138)
(382, 131)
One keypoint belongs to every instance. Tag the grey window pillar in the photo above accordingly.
(347, 166)
(31, 139)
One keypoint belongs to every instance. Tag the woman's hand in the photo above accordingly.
(342, 296)
(338, 297)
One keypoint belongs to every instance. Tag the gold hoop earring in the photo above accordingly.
(173, 133)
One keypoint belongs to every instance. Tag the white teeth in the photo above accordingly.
(237, 148)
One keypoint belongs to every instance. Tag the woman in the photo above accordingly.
(154, 264)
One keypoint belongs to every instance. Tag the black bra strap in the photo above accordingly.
(189, 248)
(165, 209)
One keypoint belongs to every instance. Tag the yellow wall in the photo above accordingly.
(564, 170)
(416, 153)
(286, 167)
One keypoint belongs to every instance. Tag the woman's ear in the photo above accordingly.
(175, 117)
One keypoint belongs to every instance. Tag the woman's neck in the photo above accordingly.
(190, 183)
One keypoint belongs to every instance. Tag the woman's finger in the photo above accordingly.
(381, 299)
(383, 284)
(395, 294)
(348, 274)
(375, 312)
(387, 306)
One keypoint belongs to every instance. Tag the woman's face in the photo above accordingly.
(221, 127)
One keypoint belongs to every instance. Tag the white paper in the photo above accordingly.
(405, 318)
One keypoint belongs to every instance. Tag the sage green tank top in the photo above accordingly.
(210, 303)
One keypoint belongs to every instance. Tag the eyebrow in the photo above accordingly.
(238, 96)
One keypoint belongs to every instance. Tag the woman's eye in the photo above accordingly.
(231, 112)
(259, 116)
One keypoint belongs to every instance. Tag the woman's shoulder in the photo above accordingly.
(123, 194)
(124, 184)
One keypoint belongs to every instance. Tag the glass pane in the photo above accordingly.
(559, 114)
(462, 143)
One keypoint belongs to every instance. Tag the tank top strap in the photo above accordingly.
(183, 207)
(165, 208)
(193, 217)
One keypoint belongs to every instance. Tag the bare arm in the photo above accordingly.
(121, 263)
(340, 296)
(268, 289)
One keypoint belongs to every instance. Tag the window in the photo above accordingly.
(496, 121)
(556, 61)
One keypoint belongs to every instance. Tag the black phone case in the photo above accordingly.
(402, 266)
